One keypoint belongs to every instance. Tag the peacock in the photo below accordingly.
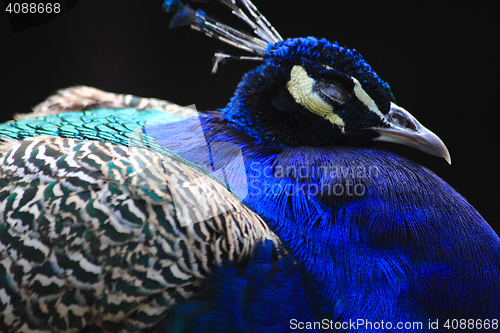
(127, 214)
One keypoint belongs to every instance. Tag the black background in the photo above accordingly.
(441, 60)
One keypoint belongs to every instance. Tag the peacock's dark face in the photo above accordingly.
(311, 92)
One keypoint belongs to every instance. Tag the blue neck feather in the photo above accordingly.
(368, 231)
(348, 215)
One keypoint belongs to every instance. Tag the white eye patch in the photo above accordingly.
(300, 87)
(366, 99)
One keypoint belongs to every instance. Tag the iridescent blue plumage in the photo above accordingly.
(373, 232)
(321, 230)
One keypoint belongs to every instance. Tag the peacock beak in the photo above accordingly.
(406, 130)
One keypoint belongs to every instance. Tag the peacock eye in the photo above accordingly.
(332, 92)
(319, 94)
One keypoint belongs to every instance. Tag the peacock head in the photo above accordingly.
(308, 91)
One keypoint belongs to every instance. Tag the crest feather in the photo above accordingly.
(263, 32)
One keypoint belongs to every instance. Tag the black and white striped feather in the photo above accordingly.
(107, 237)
